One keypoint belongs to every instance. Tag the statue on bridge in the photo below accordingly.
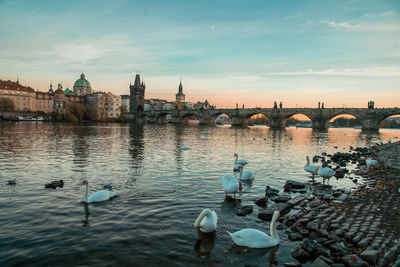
(280, 105)
(371, 104)
(275, 105)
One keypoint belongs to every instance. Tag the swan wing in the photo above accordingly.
(253, 238)
(229, 184)
(247, 175)
(242, 162)
(101, 195)
(209, 223)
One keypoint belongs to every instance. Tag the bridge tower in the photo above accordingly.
(136, 99)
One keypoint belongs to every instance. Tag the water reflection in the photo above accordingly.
(204, 244)
(85, 222)
(230, 205)
(136, 148)
(255, 257)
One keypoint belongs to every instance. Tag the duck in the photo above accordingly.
(326, 173)
(245, 175)
(313, 169)
(238, 163)
(253, 238)
(98, 196)
(55, 184)
(107, 185)
(230, 185)
(12, 182)
(206, 221)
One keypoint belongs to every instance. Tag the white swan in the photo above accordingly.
(98, 196)
(238, 163)
(313, 169)
(254, 238)
(371, 162)
(326, 173)
(184, 148)
(245, 175)
(230, 185)
(207, 221)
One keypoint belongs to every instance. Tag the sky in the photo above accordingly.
(342, 53)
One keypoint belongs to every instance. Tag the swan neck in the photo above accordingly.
(85, 198)
(241, 171)
(308, 161)
(204, 213)
(236, 158)
(273, 232)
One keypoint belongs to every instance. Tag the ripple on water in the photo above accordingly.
(161, 191)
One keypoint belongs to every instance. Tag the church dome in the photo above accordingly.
(82, 82)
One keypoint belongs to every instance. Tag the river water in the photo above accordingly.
(161, 190)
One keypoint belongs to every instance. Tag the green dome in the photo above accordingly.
(82, 82)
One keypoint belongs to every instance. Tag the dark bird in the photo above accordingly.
(55, 184)
(12, 182)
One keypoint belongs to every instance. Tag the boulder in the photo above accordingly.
(354, 261)
(300, 254)
(262, 202)
(340, 249)
(266, 215)
(319, 262)
(295, 236)
(296, 200)
(282, 198)
(370, 256)
(293, 185)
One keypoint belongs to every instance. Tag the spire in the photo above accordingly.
(51, 84)
(17, 79)
(180, 87)
(82, 76)
(137, 80)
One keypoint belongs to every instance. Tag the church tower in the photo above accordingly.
(180, 96)
(136, 95)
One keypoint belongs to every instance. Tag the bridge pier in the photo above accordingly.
(237, 121)
(319, 123)
(370, 124)
(276, 123)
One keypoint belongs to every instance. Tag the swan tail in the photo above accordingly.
(229, 233)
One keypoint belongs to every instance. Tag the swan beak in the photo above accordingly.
(84, 182)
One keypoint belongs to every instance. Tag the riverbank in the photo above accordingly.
(357, 228)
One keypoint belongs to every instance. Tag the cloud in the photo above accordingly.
(363, 26)
(367, 71)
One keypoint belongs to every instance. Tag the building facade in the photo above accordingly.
(137, 92)
(125, 101)
(106, 105)
(27, 99)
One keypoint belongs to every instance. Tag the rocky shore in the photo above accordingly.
(358, 227)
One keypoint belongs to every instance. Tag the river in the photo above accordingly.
(161, 190)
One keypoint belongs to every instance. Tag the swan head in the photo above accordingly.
(85, 182)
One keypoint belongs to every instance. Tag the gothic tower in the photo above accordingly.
(136, 95)
(180, 96)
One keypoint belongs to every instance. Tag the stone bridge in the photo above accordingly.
(320, 117)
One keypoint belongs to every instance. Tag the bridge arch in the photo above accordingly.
(300, 118)
(220, 118)
(190, 117)
(164, 117)
(356, 120)
(384, 121)
(256, 118)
